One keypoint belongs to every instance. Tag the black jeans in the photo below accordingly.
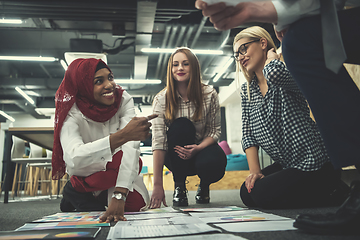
(209, 164)
(291, 188)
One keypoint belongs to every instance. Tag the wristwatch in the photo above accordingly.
(119, 196)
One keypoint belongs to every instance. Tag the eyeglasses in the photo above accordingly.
(243, 49)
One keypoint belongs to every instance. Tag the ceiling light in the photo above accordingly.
(29, 99)
(171, 50)
(32, 93)
(7, 116)
(11, 21)
(137, 81)
(26, 58)
(45, 111)
(222, 70)
(63, 64)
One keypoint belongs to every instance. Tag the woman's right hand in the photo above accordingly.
(157, 197)
(251, 179)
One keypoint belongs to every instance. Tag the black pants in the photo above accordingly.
(333, 98)
(291, 188)
(209, 164)
(84, 201)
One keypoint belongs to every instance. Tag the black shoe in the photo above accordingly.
(66, 206)
(180, 197)
(346, 220)
(202, 195)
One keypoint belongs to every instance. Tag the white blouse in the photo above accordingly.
(86, 144)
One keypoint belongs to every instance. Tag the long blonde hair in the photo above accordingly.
(253, 33)
(194, 88)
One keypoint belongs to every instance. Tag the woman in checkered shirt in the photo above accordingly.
(186, 131)
(276, 118)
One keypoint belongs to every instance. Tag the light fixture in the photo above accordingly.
(171, 50)
(223, 69)
(29, 99)
(27, 58)
(45, 111)
(63, 64)
(11, 21)
(137, 81)
(7, 116)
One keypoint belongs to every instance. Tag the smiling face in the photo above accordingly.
(104, 87)
(181, 67)
(255, 55)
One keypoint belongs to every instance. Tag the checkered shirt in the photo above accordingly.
(280, 122)
(208, 126)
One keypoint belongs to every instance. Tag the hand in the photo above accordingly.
(139, 128)
(251, 179)
(186, 152)
(115, 211)
(226, 17)
(280, 35)
(157, 197)
(271, 55)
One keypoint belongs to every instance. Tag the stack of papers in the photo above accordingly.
(168, 223)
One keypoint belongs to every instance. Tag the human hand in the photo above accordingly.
(280, 35)
(226, 17)
(251, 179)
(139, 128)
(115, 211)
(186, 152)
(157, 197)
(271, 55)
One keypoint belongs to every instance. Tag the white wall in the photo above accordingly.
(229, 98)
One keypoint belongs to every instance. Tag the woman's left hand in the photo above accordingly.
(115, 211)
(187, 151)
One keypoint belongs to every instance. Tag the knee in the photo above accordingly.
(245, 196)
(181, 125)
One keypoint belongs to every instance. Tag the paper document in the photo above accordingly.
(162, 221)
(57, 225)
(257, 226)
(151, 216)
(223, 214)
(214, 209)
(244, 218)
(121, 231)
(72, 217)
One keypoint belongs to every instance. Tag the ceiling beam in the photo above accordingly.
(145, 19)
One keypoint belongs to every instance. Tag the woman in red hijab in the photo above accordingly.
(96, 141)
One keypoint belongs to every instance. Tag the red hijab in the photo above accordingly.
(78, 87)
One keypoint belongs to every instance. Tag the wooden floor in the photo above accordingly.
(231, 180)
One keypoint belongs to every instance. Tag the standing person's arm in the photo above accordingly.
(280, 12)
(226, 17)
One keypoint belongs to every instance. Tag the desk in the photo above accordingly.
(42, 136)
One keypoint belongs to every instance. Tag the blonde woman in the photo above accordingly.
(186, 132)
(276, 118)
